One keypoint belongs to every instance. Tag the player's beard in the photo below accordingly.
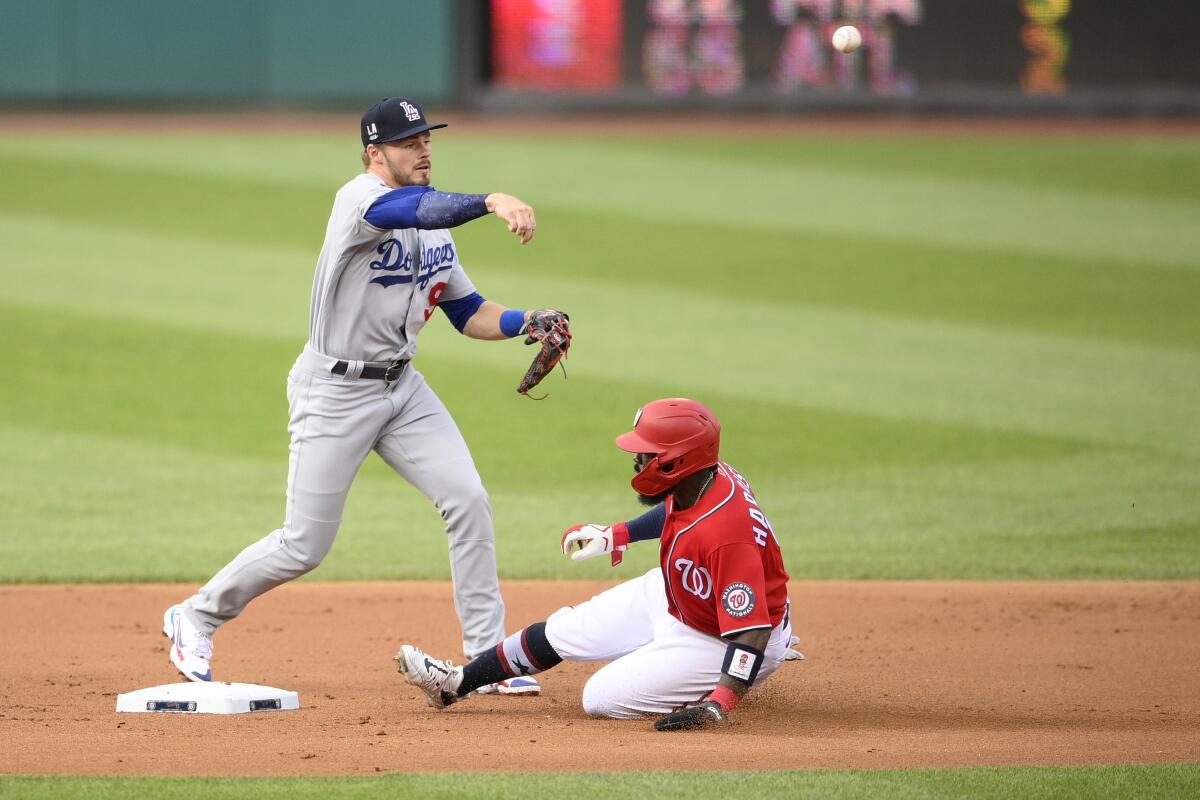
(411, 176)
(652, 500)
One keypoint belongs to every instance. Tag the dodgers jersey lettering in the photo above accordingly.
(375, 289)
(721, 562)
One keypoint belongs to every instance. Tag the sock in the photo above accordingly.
(526, 652)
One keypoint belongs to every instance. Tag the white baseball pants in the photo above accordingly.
(658, 663)
(335, 421)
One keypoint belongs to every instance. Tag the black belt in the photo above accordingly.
(389, 373)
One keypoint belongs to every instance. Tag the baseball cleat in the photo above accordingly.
(439, 680)
(191, 649)
(520, 685)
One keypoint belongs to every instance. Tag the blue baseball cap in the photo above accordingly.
(394, 118)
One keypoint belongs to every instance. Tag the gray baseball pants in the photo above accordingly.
(335, 421)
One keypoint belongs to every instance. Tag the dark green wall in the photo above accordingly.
(250, 51)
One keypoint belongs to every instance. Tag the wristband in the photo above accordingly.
(725, 697)
(512, 322)
(742, 662)
(620, 534)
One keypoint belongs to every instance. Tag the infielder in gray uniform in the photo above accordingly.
(386, 265)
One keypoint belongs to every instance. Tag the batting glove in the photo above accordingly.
(702, 715)
(793, 654)
(590, 541)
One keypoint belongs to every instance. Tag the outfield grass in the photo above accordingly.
(935, 358)
(1060, 783)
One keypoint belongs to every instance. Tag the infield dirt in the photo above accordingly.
(898, 674)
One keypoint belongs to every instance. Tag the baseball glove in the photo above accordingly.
(701, 715)
(552, 330)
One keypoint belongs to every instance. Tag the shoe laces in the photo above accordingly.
(198, 642)
(202, 645)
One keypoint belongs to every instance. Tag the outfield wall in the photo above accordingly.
(1114, 56)
(205, 52)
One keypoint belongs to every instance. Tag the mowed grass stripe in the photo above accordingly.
(1143, 166)
(1040, 294)
(1135, 166)
(864, 203)
(940, 209)
(208, 285)
(216, 208)
(1060, 783)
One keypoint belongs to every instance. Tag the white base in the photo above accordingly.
(208, 698)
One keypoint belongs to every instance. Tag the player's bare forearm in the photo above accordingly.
(517, 214)
(485, 322)
(758, 639)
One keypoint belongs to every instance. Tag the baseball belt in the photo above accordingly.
(382, 371)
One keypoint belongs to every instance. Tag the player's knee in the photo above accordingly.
(308, 543)
(596, 700)
(466, 499)
(601, 698)
(307, 561)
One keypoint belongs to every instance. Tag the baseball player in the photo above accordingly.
(387, 264)
(688, 638)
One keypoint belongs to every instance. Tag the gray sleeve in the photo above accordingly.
(458, 284)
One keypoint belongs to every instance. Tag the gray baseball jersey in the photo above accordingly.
(373, 293)
(375, 289)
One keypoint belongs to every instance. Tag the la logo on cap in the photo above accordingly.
(372, 132)
(412, 112)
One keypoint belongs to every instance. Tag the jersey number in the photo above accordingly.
(435, 297)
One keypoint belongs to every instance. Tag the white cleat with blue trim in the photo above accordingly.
(191, 649)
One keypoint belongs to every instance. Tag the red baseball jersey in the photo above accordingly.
(721, 561)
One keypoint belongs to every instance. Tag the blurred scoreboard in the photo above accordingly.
(681, 51)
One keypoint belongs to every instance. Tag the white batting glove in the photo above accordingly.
(590, 541)
(793, 654)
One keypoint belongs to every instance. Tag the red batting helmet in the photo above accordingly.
(682, 435)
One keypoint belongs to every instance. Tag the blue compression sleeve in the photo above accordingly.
(397, 208)
(649, 525)
(447, 209)
(462, 309)
(425, 208)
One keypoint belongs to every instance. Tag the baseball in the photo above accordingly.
(847, 38)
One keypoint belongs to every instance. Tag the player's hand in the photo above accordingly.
(792, 654)
(708, 714)
(587, 541)
(519, 215)
(590, 541)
